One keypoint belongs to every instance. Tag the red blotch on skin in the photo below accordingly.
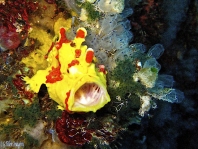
(66, 100)
(63, 39)
(102, 69)
(73, 62)
(54, 75)
(72, 44)
(50, 49)
(57, 57)
(77, 53)
(80, 34)
(89, 56)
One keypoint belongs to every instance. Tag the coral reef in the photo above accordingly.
(97, 84)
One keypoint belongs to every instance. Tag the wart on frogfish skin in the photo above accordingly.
(72, 79)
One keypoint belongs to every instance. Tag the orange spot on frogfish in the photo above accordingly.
(80, 34)
(89, 55)
(54, 75)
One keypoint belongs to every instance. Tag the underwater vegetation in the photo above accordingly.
(72, 77)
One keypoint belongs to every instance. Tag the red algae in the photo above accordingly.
(72, 129)
(20, 85)
(9, 39)
(14, 22)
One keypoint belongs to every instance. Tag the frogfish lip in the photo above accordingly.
(89, 94)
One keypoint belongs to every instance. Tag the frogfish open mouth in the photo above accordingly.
(88, 94)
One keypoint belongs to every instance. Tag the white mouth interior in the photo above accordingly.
(88, 94)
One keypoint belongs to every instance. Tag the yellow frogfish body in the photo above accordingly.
(72, 79)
